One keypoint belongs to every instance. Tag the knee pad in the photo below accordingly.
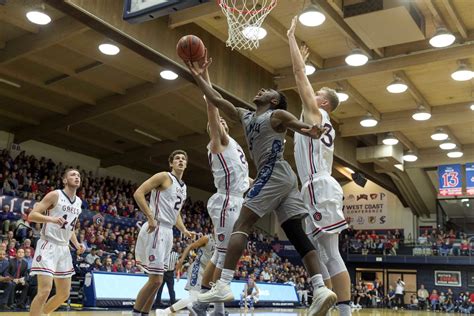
(218, 259)
(329, 254)
(293, 229)
(215, 257)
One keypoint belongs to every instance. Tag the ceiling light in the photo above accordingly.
(447, 145)
(38, 17)
(397, 86)
(342, 96)
(421, 114)
(472, 107)
(109, 49)
(312, 16)
(10, 83)
(349, 170)
(368, 121)
(439, 135)
(139, 131)
(168, 75)
(309, 69)
(442, 38)
(356, 58)
(390, 140)
(254, 33)
(463, 73)
(455, 154)
(410, 156)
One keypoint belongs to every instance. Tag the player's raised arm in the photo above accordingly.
(212, 95)
(282, 120)
(306, 91)
(49, 201)
(195, 245)
(156, 181)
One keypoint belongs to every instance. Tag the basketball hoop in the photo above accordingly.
(244, 18)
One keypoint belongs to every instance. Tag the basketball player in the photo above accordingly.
(231, 179)
(274, 189)
(321, 192)
(205, 249)
(59, 211)
(155, 239)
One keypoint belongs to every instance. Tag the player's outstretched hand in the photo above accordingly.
(304, 51)
(291, 30)
(315, 131)
(199, 68)
(58, 220)
(152, 224)
(80, 250)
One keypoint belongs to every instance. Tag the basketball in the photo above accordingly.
(190, 48)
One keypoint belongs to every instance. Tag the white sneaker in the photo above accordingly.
(220, 292)
(162, 312)
(323, 300)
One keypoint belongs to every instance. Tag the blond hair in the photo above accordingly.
(332, 97)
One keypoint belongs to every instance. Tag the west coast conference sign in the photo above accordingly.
(366, 210)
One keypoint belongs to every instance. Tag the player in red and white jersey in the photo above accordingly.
(321, 192)
(155, 240)
(59, 212)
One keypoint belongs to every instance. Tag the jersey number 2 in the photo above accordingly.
(177, 205)
(73, 223)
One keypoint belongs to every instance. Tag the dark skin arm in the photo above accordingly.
(283, 120)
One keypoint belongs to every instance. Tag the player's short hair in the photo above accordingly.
(282, 104)
(177, 152)
(332, 97)
(65, 173)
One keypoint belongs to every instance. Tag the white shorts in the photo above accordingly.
(224, 211)
(323, 197)
(52, 260)
(152, 251)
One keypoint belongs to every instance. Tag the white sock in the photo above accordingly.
(167, 310)
(344, 309)
(317, 281)
(182, 303)
(219, 308)
(227, 275)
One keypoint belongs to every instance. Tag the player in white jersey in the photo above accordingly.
(59, 212)
(321, 192)
(231, 178)
(155, 240)
(204, 247)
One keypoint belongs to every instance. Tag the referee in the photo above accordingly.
(168, 278)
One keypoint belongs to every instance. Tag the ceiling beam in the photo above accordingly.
(112, 129)
(449, 114)
(413, 90)
(104, 106)
(405, 141)
(78, 96)
(79, 74)
(18, 117)
(458, 51)
(343, 26)
(280, 31)
(440, 21)
(27, 44)
(363, 102)
(18, 21)
(90, 141)
(36, 102)
(193, 14)
(448, 4)
(451, 135)
(429, 157)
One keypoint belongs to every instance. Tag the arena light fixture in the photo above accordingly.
(439, 134)
(357, 58)
(312, 16)
(448, 144)
(254, 33)
(390, 140)
(309, 69)
(472, 107)
(38, 17)
(342, 96)
(410, 156)
(442, 38)
(455, 154)
(168, 75)
(463, 73)
(421, 114)
(397, 86)
(368, 121)
(109, 49)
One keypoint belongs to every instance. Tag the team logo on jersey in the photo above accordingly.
(151, 258)
(221, 237)
(317, 216)
(38, 259)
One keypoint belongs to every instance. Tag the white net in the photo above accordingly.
(245, 18)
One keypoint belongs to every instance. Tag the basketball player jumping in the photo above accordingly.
(275, 188)
(321, 192)
(59, 211)
(155, 240)
(231, 179)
